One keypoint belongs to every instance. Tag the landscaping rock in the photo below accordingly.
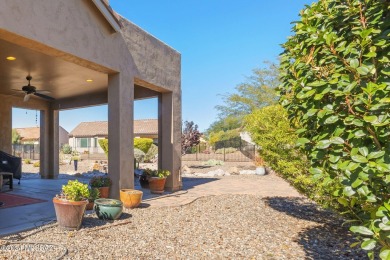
(185, 169)
(248, 172)
(233, 171)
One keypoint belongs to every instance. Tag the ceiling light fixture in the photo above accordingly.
(11, 58)
(89, 80)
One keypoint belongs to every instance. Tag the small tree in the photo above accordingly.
(15, 137)
(190, 136)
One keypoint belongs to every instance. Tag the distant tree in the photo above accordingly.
(224, 124)
(258, 91)
(190, 136)
(15, 137)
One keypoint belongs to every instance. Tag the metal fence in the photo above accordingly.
(233, 150)
(26, 151)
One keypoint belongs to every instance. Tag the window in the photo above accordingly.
(83, 142)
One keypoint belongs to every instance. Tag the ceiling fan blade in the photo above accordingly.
(43, 96)
(42, 91)
(18, 90)
(26, 97)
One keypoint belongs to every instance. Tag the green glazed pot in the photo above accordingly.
(108, 209)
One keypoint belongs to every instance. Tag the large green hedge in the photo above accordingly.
(335, 83)
(270, 129)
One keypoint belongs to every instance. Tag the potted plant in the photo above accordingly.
(108, 209)
(131, 198)
(157, 181)
(70, 204)
(260, 168)
(93, 195)
(103, 183)
(144, 177)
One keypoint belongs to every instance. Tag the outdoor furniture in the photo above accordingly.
(13, 164)
(6, 175)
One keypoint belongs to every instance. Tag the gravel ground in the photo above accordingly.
(215, 227)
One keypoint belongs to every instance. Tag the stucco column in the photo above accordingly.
(49, 144)
(169, 138)
(6, 127)
(120, 133)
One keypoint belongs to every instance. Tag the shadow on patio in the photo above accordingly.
(318, 240)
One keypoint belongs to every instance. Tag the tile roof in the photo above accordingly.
(31, 133)
(100, 128)
(28, 133)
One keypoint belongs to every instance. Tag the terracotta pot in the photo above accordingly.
(69, 213)
(108, 209)
(104, 192)
(156, 185)
(89, 206)
(131, 198)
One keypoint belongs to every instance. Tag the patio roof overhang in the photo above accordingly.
(61, 45)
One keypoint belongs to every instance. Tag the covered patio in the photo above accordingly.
(85, 54)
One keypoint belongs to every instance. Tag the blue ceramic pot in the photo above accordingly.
(108, 209)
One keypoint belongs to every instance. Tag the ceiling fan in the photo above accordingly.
(31, 90)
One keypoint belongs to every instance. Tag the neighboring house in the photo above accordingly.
(30, 135)
(85, 137)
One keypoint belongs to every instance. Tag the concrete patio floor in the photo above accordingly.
(22, 218)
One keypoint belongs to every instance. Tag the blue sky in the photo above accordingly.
(221, 42)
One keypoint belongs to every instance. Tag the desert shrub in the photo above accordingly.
(143, 144)
(213, 162)
(226, 150)
(27, 161)
(151, 154)
(104, 145)
(36, 164)
(139, 155)
(66, 149)
(335, 83)
(270, 128)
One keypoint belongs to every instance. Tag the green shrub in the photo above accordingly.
(36, 164)
(139, 155)
(335, 83)
(151, 154)
(269, 128)
(143, 144)
(213, 162)
(104, 145)
(66, 149)
(226, 150)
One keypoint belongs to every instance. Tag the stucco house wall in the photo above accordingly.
(78, 33)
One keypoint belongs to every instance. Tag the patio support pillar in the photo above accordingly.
(120, 132)
(169, 138)
(6, 127)
(49, 144)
